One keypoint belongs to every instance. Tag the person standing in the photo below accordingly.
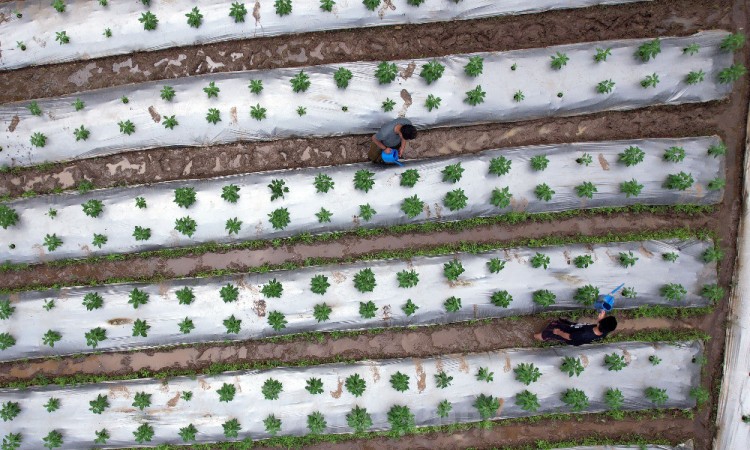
(391, 138)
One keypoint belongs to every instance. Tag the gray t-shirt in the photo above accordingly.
(387, 136)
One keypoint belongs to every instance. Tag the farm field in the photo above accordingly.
(196, 253)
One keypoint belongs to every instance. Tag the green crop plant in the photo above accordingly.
(400, 381)
(342, 76)
(358, 418)
(388, 105)
(367, 310)
(124, 100)
(615, 362)
(631, 188)
(6, 309)
(238, 12)
(149, 21)
(586, 295)
(107, 32)
(99, 404)
(432, 71)
(366, 212)
(212, 90)
(126, 127)
(355, 385)
(54, 439)
(301, 111)
(300, 82)
(700, 359)
(679, 181)
(167, 93)
(314, 386)
(648, 50)
(544, 297)
(324, 216)
(386, 72)
(499, 166)
(627, 259)
(363, 180)
(416, 2)
(327, 5)
(571, 366)
(319, 284)
(277, 320)
(94, 336)
(9, 411)
(38, 139)
(670, 256)
(323, 183)
(141, 400)
(712, 292)
(272, 289)
(8, 216)
(500, 198)
(527, 373)
(188, 433)
(700, 395)
(59, 5)
(495, 265)
(713, 254)
(102, 436)
(432, 102)
(283, 7)
(602, 54)
(731, 73)
(475, 96)
(50, 337)
(559, 60)
(233, 226)
(186, 326)
(194, 18)
(586, 189)
(231, 428)
(605, 86)
(146, 2)
(144, 433)
(52, 242)
(230, 193)
(695, 77)
(34, 109)
(271, 389)
(576, 399)
(654, 360)
(487, 406)
(409, 308)
(657, 396)
(48, 304)
(137, 298)
(444, 408)
(85, 186)
(62, 37)
(544, 192)
(409, 177)
(401, 420)
(691, 49)
(674, 154)
(475, 66)
(256, 86)
(229, 293)
(455, 200)
(583, 261)
(52, 213)
(631, 156)
(716, 184)
(21, 45)
(279, 218)
(614, 400)
(518, 96)
(412, 206)
(673, 292)
(140, 328)
(364, 280)
(213, 116)
(322, 312)
(6, 341)
(453, 269)
(452, 173)
(733, 42)
(140, 202)
(407, 278)
(501, 299)
(443, 380)
(371, 4)
(226, 392)
(258, 112)
(316, 423)
(528, 401)
(452, 304)
(539, 162)
(186, 225)
(170, 122)
(650, 81)
(540, 260)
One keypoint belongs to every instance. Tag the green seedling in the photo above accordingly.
(107, 32)
(62, 37)
(314, 386)
(444, 408)
(238, 12)
(400, 381)
(213, 116)
(137, 298)
(407, 278)
(650, 81)
(258, 112)
(54, 439)
(124, 100)
(186, 225)
(85, 186)
(366, 212)
(674, 154)
(700, 395)
(443, 380)
(8, 216)
(409, 177)
(527, 401)
(499, 166)
(9, 411)
(212, 90)
(327, 5)
(271, 423)
(52, 213)
(475, 96)
(277, 320)
(271, 389)
(695, 77)
(452, 304)
(279, 218)
(188, 433)
(324, 216)
(342, 76)
(363, 180)
(731, 73)
(194, 18)
(34, 109)
(455, 200)
(544, 192)
(453, 269)
(323, 183)
(49, 304)
(544, 297)
(141, 234)
(102, 436)
(226, 392)
(673, 292)
(487, 406)
(540, 260)
(186, 325)
(583, 261)
(388, 105)
(316, 423)
(149, 21)
(691, 49)
(300, 82)
(170, 122)
(322, 312)
(301, 111)
(78, 104)
(6, 341)
(586, 295)
(401, 420)
(576, 399)
(614, 400)
(230, 193)
(495, 265)
(657, 396)
(432, 71)
(501, 299)
(409, 308)
(648, 50)
(602, 54)
(631, 156)
(364, 280)
(713, 254)
(256, 86)
(38, 139)
(6, 309)
(733, 42)
(283, 7)
(716, 184)
(712, 292)
(386, 72)
(654, 360)
(452, 173)
(679, 181)
(94, 336)
(559, 60)
(670, 256)
(605, 86)
(627, 259)
(272, 289)
(126, 127)
(571, 366)
(233, 226)
(231, 428)
(144, 433)
(140, 202)
(631, 188)
(615, 362)
(52, 242)
(50, 337)
(229, 293)
(319, 284)
(475, 66)
(99, 404)
(527, 373)
(518, 96)
(432, 102)
(358, 418)
(167, 93)
(367, 310)
(21, 45)
(500, 197)
(141, 400)
(539, 162)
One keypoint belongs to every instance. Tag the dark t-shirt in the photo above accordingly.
(581, 333)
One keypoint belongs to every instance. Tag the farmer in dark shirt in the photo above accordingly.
(391, 136)
(572, 333)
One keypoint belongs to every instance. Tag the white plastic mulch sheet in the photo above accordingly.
(686, 446)
(676, 373)
(474, 287)
(84, 21)
(120, 215)
(358, 109)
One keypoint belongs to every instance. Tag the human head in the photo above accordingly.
(607, 324)
(409, 132)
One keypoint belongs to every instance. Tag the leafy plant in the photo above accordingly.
(62, 37)
(543, 192)
(571, 366)
(59, 5)
(6, 341)
(679, 181)
(648, 50)
(367, 310)
(137, 298)
(500, 198)
(52, 242)
(540, 260)
(99, 240)
(432, 102)
(559, 60)
(674, 154)
(321, 312)
(670, 256)
(615, 362)
(501, 299)
(213, 116)
(363, 180)
(544, 297)
(327, 5)
(733, 42)
(94, 336)
(527, 401)
(8, 216)
(654, 360)
(300, 82)
(238, 12)
(388, 105)
(484, 374)
(712, 292)
(283, 7)
(194, 18)
(277, 320)
(144, 433)
(576, 399)
(212, 90)
(229, 293)
(627, 259)
(495, 265)
(401, 420)
(301, 111)
(475, 66)
(695, 77)
(99, 404)
(38, 139)
(364, 280)
(140, 328)
(124, 100)
(170, 122)
(272, 423)
(142, 400)
(673, 292)
(167, 93)
(366, 212)
(54, 439)
(486, 405)
(631, 188)
(585, 159)
(518, 96)
(149, 21)
(432, 71)
(140, 202)
(314, 386)
(444, 408)
(385, 72)
(102, 436)
(316, 423)
(48, 304)
(583, 261)
(232, 324)
(226, 392)
(731, 73)
(258, 112)
(650, 81)
(453, 269)
(657, 396)
(713, 254)
(539, 162)
(231, 428)
(499, 166)
(279, 218)
(21, 45)
(6, 309)
(407, 278)
(186, 225)
(400, 381)
(272, 289)
(52, 213)
(602, 54)
(10, 410)
(233, 225)
(527, 373)
(587, 295)
(358, 418)
(50, 337)
(700, 395)
(271, 389)
(716, 184)
(475, 96)
(452, 173)
(323, 215)
(614, 400)
(34, 109)
(605, 86)
(323, 183)
(342, 76)
(319, 284)
(455, 200)
(443, 380)
(186, 325)
(188, 433)
(631, 156)
(691, 49)
(452, 304)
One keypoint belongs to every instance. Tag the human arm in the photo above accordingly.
(601, 315)
(380, 145)
(561, 333)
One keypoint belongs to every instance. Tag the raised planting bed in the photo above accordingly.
(367, 294)
(102, 28)
(352, 98)
(396, 395)
(284, 203)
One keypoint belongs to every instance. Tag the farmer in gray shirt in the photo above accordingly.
(391, 136)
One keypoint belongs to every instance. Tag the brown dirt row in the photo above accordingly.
(660, 17)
